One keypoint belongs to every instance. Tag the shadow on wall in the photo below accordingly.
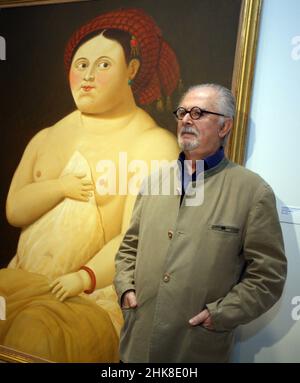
(266, 331)
(250, 143)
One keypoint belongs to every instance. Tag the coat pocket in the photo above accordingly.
(129, 318)
(126, 336)
(210, 346)
(225, 229)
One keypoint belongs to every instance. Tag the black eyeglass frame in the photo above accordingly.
(202, 111)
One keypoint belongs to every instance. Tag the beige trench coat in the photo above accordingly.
(226, 254)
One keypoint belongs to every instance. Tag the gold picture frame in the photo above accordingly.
(9, 355)
(243, 76)
(22, 3)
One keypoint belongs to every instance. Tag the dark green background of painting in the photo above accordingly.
(34, 88)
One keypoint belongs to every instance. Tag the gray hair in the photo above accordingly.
(225, 102)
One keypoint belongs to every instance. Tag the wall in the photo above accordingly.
(273, 152)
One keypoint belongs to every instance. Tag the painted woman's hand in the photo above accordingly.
(76, 186)
(68, 285)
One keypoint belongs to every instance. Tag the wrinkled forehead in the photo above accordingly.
(99, 46)
(204, 98)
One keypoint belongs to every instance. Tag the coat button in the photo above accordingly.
(166, 277)
(170, 234)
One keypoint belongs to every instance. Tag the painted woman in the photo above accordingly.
(60, 302)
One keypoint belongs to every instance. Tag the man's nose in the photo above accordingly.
(187, 119)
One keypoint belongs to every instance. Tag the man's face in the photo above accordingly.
(202, 137)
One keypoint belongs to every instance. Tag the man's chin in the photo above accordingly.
(188, 145)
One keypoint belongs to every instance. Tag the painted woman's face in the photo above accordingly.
(99, 76)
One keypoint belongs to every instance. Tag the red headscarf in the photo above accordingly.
(159, 70)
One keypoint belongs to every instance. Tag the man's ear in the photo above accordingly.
(226, 127)
(133, 68)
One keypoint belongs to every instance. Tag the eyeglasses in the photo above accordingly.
(194, 112)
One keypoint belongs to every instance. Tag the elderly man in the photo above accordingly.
(188, 274)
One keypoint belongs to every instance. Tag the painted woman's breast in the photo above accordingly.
(52, 157)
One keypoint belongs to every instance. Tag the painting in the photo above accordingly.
(206, 41)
